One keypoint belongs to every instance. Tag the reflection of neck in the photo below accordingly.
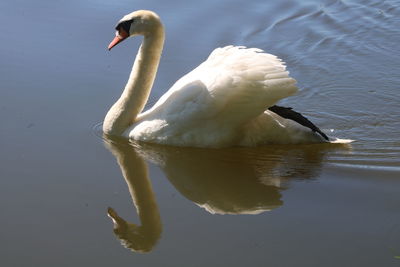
(135, 172)
(134, 169)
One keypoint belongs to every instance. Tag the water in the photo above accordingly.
(277, 205)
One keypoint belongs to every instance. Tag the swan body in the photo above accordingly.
(226, 101)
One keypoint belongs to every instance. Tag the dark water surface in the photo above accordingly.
(272, 206)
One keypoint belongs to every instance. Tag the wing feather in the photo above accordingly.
(232, 87)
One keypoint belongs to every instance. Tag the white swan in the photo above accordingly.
(228, 100)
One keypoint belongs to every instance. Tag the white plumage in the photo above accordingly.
(223, 102)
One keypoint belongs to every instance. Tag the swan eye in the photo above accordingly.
(125, 25)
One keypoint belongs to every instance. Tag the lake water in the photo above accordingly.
(319, 205)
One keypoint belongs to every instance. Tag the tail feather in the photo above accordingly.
(289, 113)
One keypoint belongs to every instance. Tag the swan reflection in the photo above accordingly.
(222, 181)
(139, 238)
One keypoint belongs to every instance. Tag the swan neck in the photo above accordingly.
(144, 69)
(137, 90)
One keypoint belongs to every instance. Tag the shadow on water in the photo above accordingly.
(222, 181)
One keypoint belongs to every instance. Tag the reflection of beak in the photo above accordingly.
(118, 221)
(120, 36)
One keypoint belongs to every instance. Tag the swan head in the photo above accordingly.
(140, 22)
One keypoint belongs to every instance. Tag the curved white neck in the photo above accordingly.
(137, 90)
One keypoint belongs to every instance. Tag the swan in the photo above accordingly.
(228, 100)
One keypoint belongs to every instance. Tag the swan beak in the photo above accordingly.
(119, 37)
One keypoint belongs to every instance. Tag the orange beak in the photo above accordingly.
(121, 35)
